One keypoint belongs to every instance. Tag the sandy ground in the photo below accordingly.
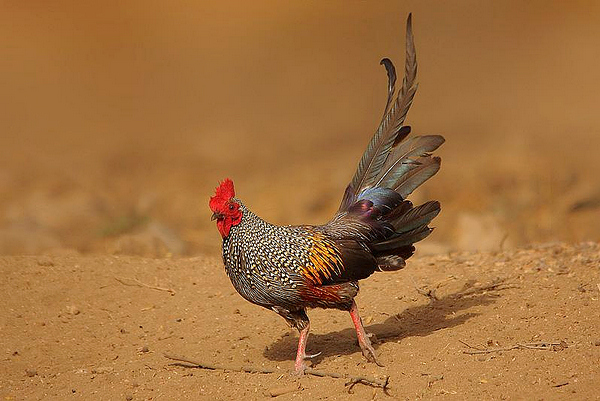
(117, 120)
(84, 328)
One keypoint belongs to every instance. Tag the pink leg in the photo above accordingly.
(363, 340)
(299, 366)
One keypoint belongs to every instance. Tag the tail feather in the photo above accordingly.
(404, 158)
(390, 130)
(390, 263)
(416, 217)
(391, 73)
(424, 169)
(390, 160)
(404, 239)
(374, 211)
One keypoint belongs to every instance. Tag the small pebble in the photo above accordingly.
(103, 369)
(73, 310)
(597, 343)
(281, 390)
(30, 372)
(129, 397)
(45, 261)
(145, 348)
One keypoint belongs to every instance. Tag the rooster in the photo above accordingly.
(289, 269)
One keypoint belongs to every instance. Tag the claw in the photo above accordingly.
(363, 338)
(300, 366)
(313, 355)
(369, 352)
(299, 369)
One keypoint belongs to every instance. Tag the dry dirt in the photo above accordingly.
(117, 120)
(85, 327)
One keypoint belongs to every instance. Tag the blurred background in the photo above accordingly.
(118, 119)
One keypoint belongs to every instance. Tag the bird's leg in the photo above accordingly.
(299, 366)
(363, 339)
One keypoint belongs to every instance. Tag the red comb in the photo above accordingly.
(223, 193)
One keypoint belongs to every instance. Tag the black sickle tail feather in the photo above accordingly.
(374, 210)
(387, 225)
(391, 160)
(390, 131)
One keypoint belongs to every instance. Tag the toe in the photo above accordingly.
(369, 354)
(299, 369)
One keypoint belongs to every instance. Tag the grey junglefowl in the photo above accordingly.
(289, 269)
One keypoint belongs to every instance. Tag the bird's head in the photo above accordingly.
(225, 208)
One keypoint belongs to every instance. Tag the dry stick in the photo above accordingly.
(138, 283)
(251, 369)
(427, 292)
(431, 292)
(540, 345)
(470, 346)
(487, 351)
(493, 286)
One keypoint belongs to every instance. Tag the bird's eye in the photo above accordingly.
(231, 206)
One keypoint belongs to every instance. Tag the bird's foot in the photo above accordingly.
(299, 368)
(312, 356)
(362, 336)
(369, 352)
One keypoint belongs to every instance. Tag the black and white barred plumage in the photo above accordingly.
(291, 268)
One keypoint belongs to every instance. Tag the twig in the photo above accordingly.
(434, 379)
(108, 312)
(166, 337)
(494, 286)
(540, 345)
(470, 346)
(138, 283)
(442, 350)
(431, 293)
(427, 292)
(490, 350)
(352, 380)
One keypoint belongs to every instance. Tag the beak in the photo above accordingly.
(216, 216)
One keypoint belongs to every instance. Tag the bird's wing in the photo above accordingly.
(334, 261)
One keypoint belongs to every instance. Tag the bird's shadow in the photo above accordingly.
(421, 320)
